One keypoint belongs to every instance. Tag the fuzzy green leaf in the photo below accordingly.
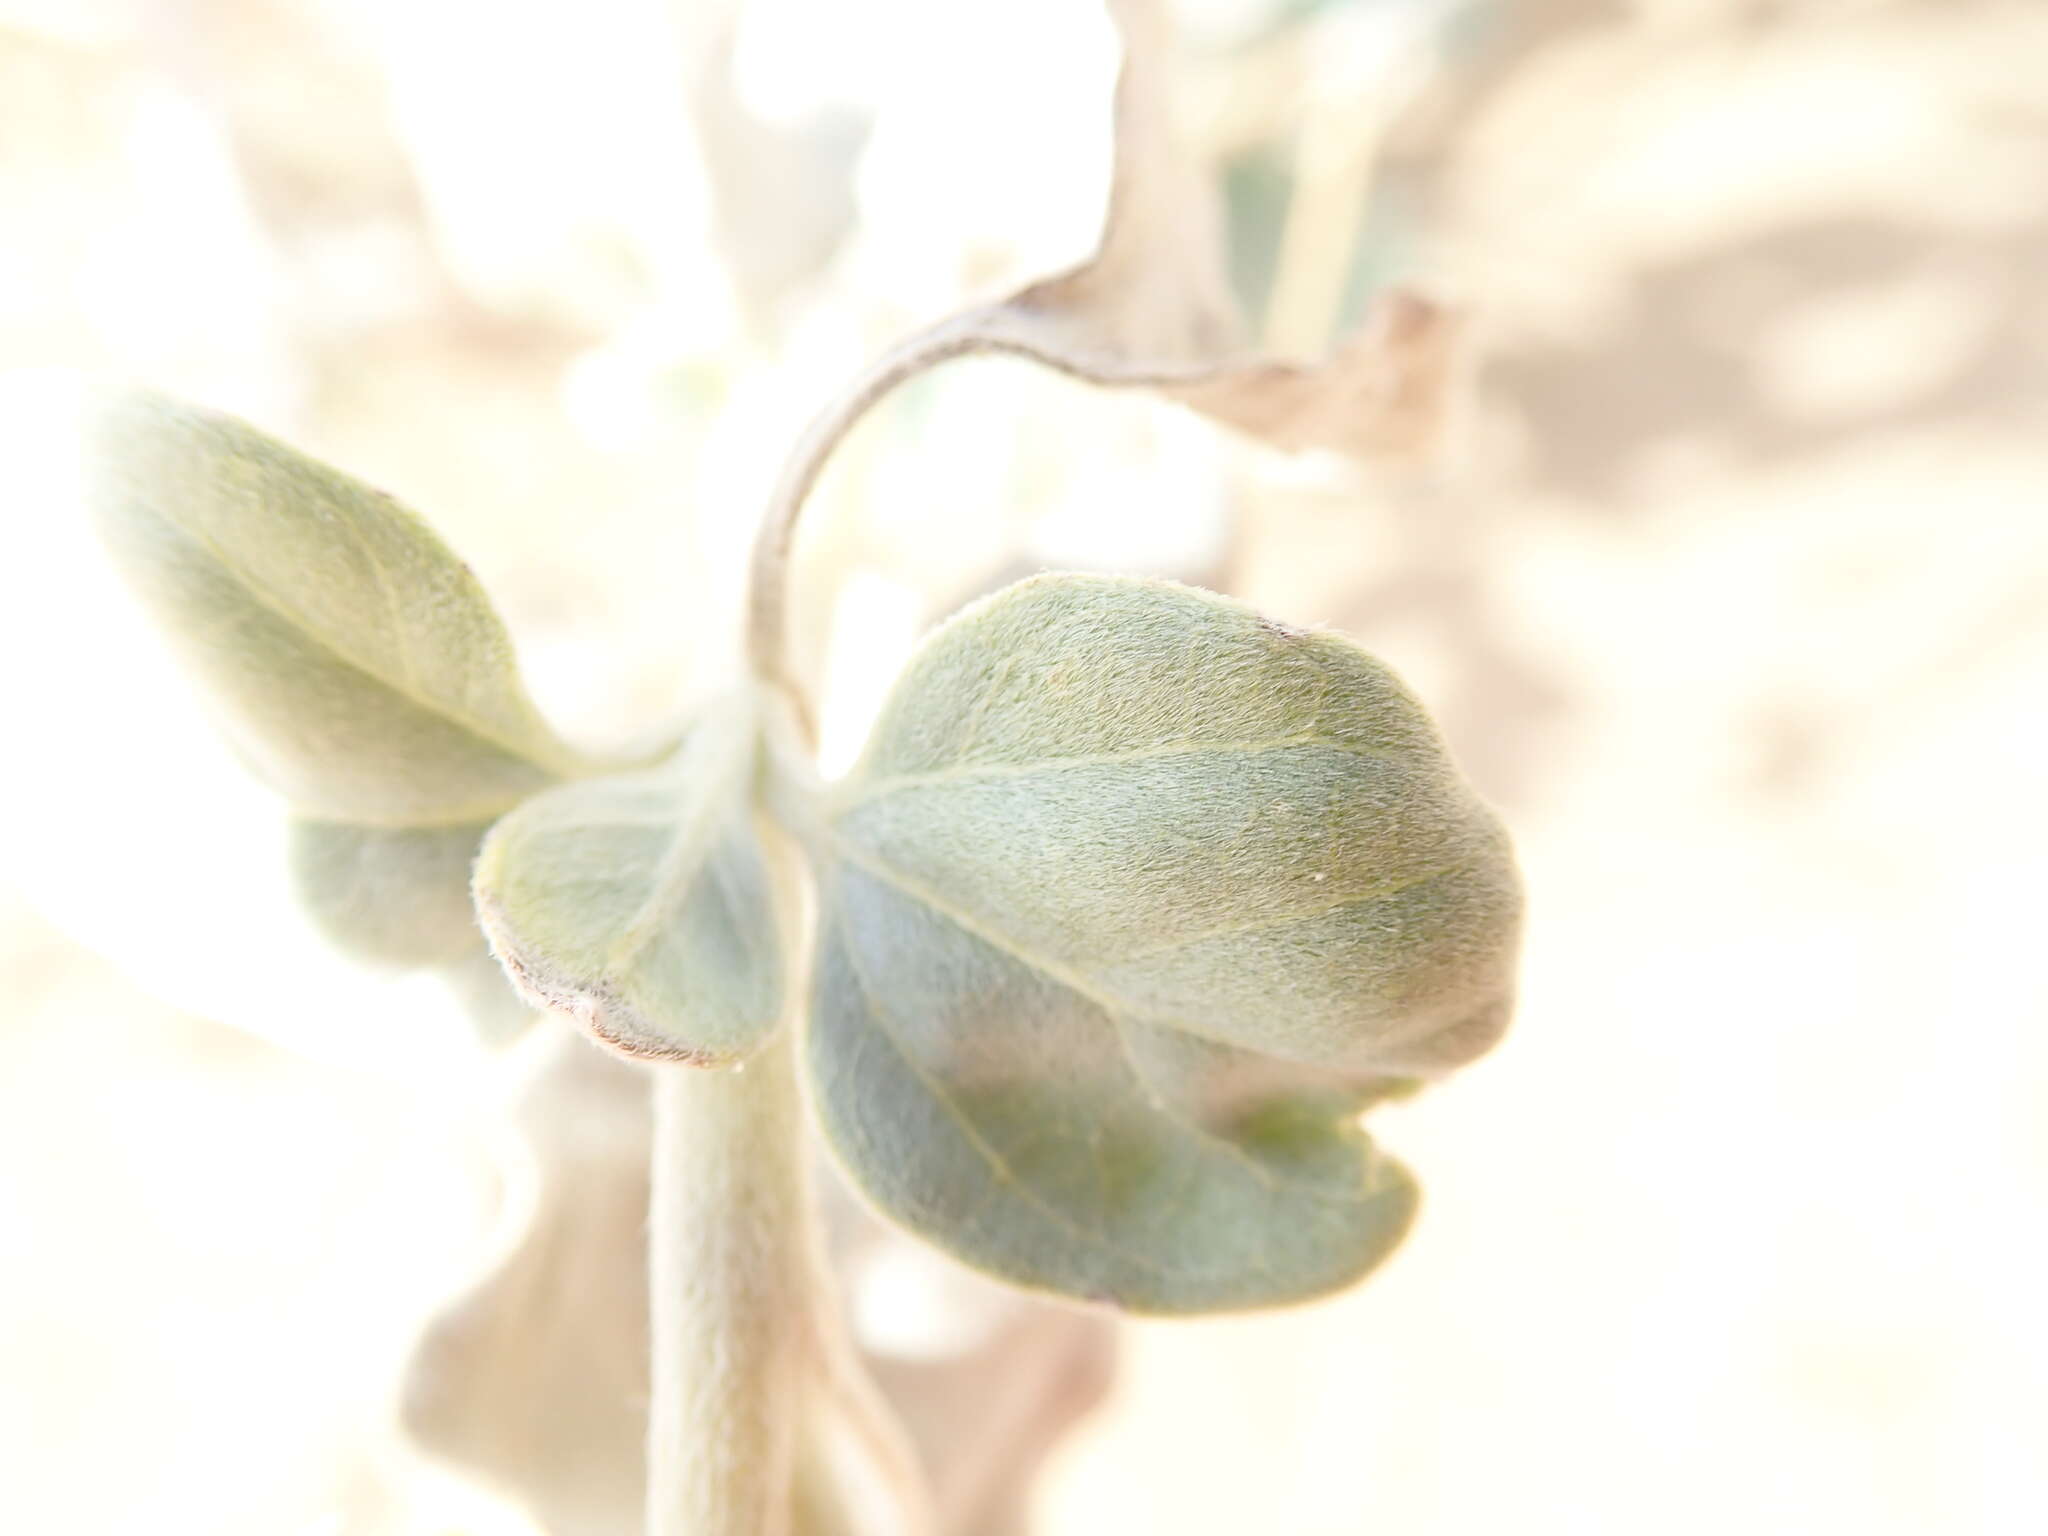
(399, 897)
(1134, 902)
(642, 905)
(359, 665)
(396, 896)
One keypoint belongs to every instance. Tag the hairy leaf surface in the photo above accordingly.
(1134, 902)
(642, 904)
(359, 664)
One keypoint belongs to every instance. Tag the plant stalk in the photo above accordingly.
(737, 1297)
(1027, 325)
(767, 618)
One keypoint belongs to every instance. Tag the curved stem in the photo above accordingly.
(1028, 325)
(767, 621)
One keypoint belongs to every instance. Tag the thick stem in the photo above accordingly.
(737, 1298)
(749, 1354)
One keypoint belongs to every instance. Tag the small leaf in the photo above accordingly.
(1134, 902)
(399, 897)
(534, 1378)
(1152, 308)
(396, 896)
(642, 904)
(360, 666)
(496, 1010)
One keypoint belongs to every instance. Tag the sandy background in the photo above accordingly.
(1731, 590)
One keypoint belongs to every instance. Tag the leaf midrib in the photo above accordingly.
(557, 762)
(1114, 1014)
(1080, 981)
(689, 846)
(856, 794)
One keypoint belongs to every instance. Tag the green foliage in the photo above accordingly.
(642, 904)
(1135, 900)
(357, 662)
(1134, 905)
(396, 896)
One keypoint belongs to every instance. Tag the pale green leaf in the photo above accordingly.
(399, 897)
(396, 896)
(1134, 902)
(358, 664)
(643, 904)
(496, 1010)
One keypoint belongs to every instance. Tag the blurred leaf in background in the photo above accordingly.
(1730, 586)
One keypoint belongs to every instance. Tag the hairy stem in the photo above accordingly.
(736, 1298)
(767, 621)
(1028, 325)
(748, 1348)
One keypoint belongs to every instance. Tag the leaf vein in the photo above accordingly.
(1113, 1011)
(973, 772)
(1384, 891)
(997, 1163)
(553, 761)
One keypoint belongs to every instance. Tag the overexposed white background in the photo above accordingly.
(1731, 590)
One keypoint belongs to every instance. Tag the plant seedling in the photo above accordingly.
(1135, 901)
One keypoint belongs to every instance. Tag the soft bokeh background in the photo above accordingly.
(1731, 590)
